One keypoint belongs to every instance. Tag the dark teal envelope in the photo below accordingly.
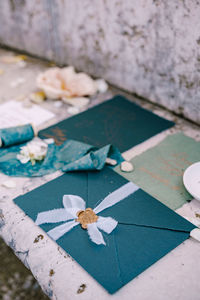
(146, 231)
(118, 121)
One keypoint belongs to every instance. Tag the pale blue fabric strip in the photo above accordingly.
(59, 231)
(53, 216)
(116, 196)
(69, 212)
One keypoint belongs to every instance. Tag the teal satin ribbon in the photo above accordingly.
(70, 156)
(16, 135)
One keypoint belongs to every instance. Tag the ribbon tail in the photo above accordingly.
(116, 196)
(53, 216)
(59, 231)
(95, 235)
(107, 224)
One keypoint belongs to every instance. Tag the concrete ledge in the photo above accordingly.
(149, 47)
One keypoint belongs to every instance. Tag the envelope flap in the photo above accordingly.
(139, 208)
(129, 249)
(95, 259)
(117, 121)
(50, 195)
(143, 210)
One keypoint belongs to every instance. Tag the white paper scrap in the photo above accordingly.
(13, 113)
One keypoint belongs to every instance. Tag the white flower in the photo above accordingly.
(59, 83)
(35, 150)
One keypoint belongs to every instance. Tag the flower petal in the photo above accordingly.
(23, 159)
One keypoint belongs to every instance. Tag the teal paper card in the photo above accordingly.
(146, 230)
(118, 121)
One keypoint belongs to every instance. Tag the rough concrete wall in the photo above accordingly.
(149, 47)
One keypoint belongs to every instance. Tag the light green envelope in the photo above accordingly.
(159, 170)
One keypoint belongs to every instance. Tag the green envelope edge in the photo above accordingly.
(147, 229)
(117, 121)
(159, 170)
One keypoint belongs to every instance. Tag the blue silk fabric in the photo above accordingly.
(116, 122)
(16, 135)
(70, 156)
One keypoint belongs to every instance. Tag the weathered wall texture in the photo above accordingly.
(150, 47)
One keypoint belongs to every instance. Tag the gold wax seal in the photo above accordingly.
(86, 217)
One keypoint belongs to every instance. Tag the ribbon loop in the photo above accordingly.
(73, 204)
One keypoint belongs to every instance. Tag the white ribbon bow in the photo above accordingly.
(73, 204)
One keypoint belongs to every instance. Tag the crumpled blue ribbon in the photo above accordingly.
(70, 156)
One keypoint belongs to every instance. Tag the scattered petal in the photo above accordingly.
(21, 64)
(38, 97)
(76, 101)
(21, 98)
(195, 234)
(102, 86)
(17, 82)
(10, 184)
(126, 166)
(58, 104)
(21, 57)
(49, 141)
(111, 161)
(72, 110)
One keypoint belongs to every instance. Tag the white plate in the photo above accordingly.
(191, 180)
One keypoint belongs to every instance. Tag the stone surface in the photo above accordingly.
(16, 282)
(148, 47)
(175, 276)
